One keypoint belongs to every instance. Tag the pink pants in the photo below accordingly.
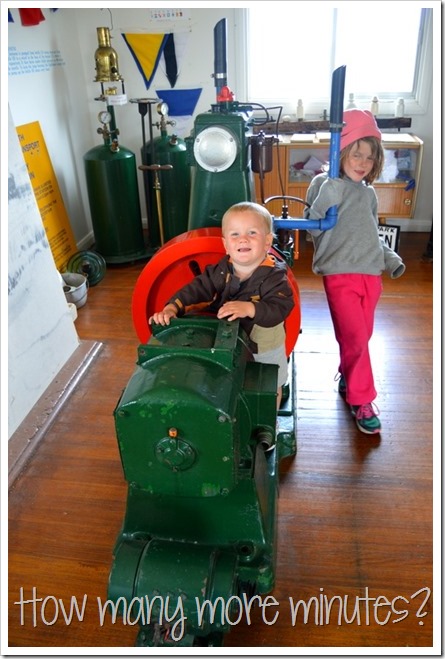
(352, 301)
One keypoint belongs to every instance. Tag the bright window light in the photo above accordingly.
(292, 55)
(378, 57)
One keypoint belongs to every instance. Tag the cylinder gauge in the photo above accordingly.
(104, 117)
(162, 109)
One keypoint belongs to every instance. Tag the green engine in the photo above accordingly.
(199, 444)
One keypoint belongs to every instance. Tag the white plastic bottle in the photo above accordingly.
(351, 103)
(400, 108)
(300, 110)
(375, 106)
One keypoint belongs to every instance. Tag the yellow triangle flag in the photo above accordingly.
(147, 51)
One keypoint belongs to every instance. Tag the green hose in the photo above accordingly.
(90, 264)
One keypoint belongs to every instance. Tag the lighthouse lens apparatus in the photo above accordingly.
(215, 149)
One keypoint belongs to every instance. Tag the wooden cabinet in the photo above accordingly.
(299, 161)
(394, 200)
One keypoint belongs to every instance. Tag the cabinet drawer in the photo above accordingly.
(394, 201)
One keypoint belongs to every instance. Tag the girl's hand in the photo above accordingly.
(236, 309)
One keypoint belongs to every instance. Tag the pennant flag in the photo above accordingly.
(171, 65)
(181, 40)
(10, 19)
(31, 16)
(181, 102)
(146, 50)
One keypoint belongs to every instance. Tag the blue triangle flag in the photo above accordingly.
(181, 102)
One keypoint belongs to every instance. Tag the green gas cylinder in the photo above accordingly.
(174, 187)
(111, 177)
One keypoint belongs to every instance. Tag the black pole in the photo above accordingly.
(220, 62)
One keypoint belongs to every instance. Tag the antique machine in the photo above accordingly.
(200, 444)
(194, 426)
(218, 148)
(201, 441)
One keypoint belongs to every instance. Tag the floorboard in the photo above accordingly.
(355, 512)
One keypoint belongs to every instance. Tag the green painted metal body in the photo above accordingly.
(113, 195)
(202, 492)
(212, 193)
(175, 187)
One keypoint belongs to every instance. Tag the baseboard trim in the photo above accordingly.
(28, 435)
(86, 242)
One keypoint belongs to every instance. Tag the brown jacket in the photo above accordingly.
(267, 287)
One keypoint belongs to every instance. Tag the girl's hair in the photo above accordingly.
(377, 153)
(252, 207)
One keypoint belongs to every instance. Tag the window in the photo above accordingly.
(291, 54)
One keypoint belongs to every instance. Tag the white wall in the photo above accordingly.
(41, 331)
(56, 98)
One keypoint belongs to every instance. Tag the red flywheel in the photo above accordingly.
(176, 264)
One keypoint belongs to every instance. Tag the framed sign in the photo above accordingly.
(390, 235)
(47, 193)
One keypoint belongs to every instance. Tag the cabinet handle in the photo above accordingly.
(407, 202)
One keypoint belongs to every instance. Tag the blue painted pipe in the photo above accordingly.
(336, 125)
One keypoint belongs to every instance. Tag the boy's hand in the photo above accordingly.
(163, 317)
(236, 309)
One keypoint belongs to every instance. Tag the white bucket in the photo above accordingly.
(75, 287)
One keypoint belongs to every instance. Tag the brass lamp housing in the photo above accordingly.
(107, 67)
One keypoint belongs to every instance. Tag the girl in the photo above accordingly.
(351, 258)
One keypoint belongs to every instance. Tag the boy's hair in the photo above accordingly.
(377, 153)
(244, 207)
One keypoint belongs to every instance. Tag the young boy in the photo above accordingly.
(248, 283)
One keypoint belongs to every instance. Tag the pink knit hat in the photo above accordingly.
(358, 124)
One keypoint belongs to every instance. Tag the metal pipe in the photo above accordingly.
(157, 187)
(220, 58)
(336, 125)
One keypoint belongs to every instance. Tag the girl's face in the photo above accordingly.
(245, 239)
(359, 162)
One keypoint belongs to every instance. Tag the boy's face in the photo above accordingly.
(246, 239)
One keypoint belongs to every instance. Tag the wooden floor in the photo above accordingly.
(355, 512)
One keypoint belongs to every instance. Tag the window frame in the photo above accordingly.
(416, 102)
